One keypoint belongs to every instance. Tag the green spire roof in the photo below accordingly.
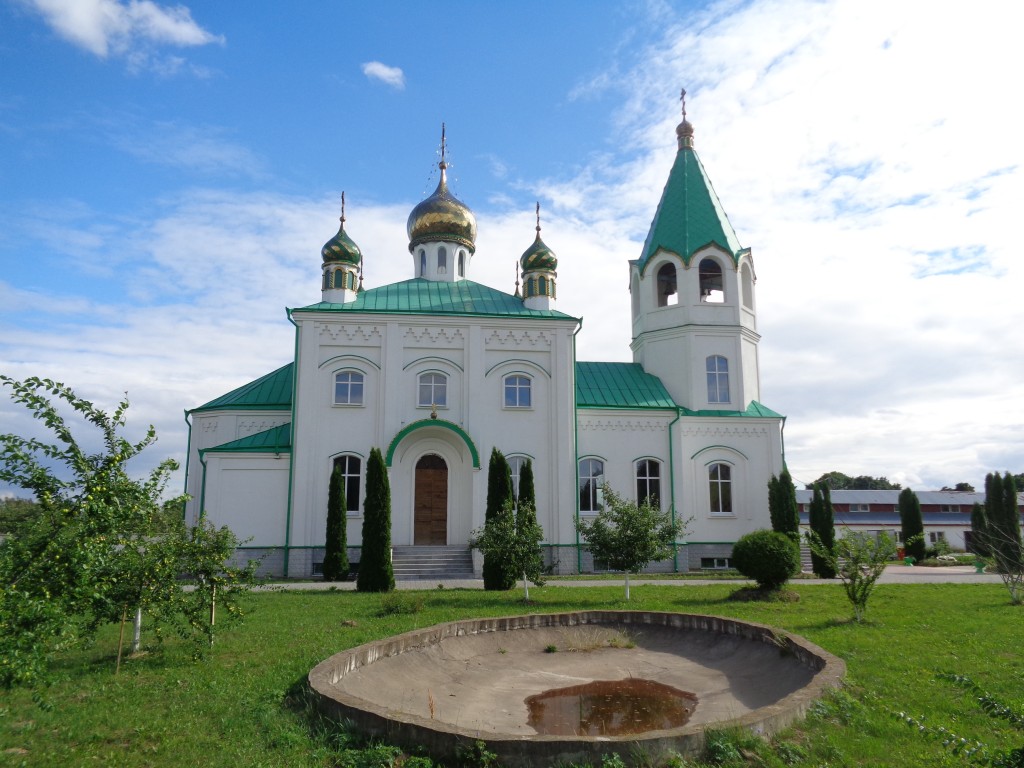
(690, 215)
(272, 392)
(429, 297)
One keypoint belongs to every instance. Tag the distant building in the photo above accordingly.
(436, 369)
(946, 514)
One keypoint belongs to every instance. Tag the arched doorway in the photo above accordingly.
(430, 521)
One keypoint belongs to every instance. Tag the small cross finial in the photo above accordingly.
(343, 209)
(517, 277)
(538, 217)
(443, 164)
(682, 98)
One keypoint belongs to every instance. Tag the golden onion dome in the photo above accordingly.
(341, 249)
(442, 217)
(538, 255)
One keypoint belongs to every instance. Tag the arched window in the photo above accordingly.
(327, 280)
(711, 286)
(423, 263)
(591, 480)
(517, 391)
(667, 294)
(542, 286)
(462, 263)
(648, 482)
(433, 390)
(720, 489)
(348, 388)
(350, 466)
(442, 260)
(718, 379)
(516, 464)
(747, 280)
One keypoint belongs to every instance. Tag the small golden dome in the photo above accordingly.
(442, 217)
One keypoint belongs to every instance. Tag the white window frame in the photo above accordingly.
(438, 384)
(716, 481)
(716, 377)
(522, 383)
(595, 496)
(350, 400)
(352, 478)
(647, 479)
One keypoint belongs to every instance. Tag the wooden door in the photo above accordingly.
(430, 522)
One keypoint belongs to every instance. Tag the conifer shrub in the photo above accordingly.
(497, 575)
(375, 570)
(336, 553)
(767, 557)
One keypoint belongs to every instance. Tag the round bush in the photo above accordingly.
(767, 557)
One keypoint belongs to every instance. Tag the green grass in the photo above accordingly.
(230, 710)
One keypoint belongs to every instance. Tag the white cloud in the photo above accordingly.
(392, 76)
(105, 27)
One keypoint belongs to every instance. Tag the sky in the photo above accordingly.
(169, 173)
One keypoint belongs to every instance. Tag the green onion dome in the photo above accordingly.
(538, 255)
(341, 249)
(442, 217)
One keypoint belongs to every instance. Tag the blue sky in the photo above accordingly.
(168, 174)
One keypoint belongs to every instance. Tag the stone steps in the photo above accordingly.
(432, 562)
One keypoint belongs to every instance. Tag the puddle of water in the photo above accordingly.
(610, 708)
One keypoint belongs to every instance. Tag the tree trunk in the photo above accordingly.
(137, 630)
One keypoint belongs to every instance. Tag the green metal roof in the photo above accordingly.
(272, 392)
(754, 411)
(275, 440)
(690, 215)
(619, 385)
(429, 297)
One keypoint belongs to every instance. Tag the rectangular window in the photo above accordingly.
(859, 507)
(949, 508)
(720, 486)
(350, 467)
(715, 563)
(433, 390)
(648, 482)
(348, 388)
(517, 391)
(591, 480)
(934, 537)
(718, 379)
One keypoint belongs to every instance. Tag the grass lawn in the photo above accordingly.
(230, 710)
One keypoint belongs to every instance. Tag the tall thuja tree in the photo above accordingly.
(979, 531)
(1002, 522)
(497, 574)
(911, 524)
(527, 490)
(782, 505)
(336, 554)
(822, 522)
(376, 573)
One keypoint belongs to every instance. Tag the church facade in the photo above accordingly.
(436, 370)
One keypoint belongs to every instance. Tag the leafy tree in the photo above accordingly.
(336, 554)
(204, 559)
(837, 481)
(822, 522)
(960, 487)
(767, 557)
(859, 559)
(375, 570)
(499, 493)
(17, 514)
(911, 524)
(513, 536)
(628, 536)
(782, 505)
(101, 544)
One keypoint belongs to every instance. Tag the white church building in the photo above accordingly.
(436, 370)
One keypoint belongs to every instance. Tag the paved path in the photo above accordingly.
(894, 574)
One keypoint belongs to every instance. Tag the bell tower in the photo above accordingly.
(692, 294)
